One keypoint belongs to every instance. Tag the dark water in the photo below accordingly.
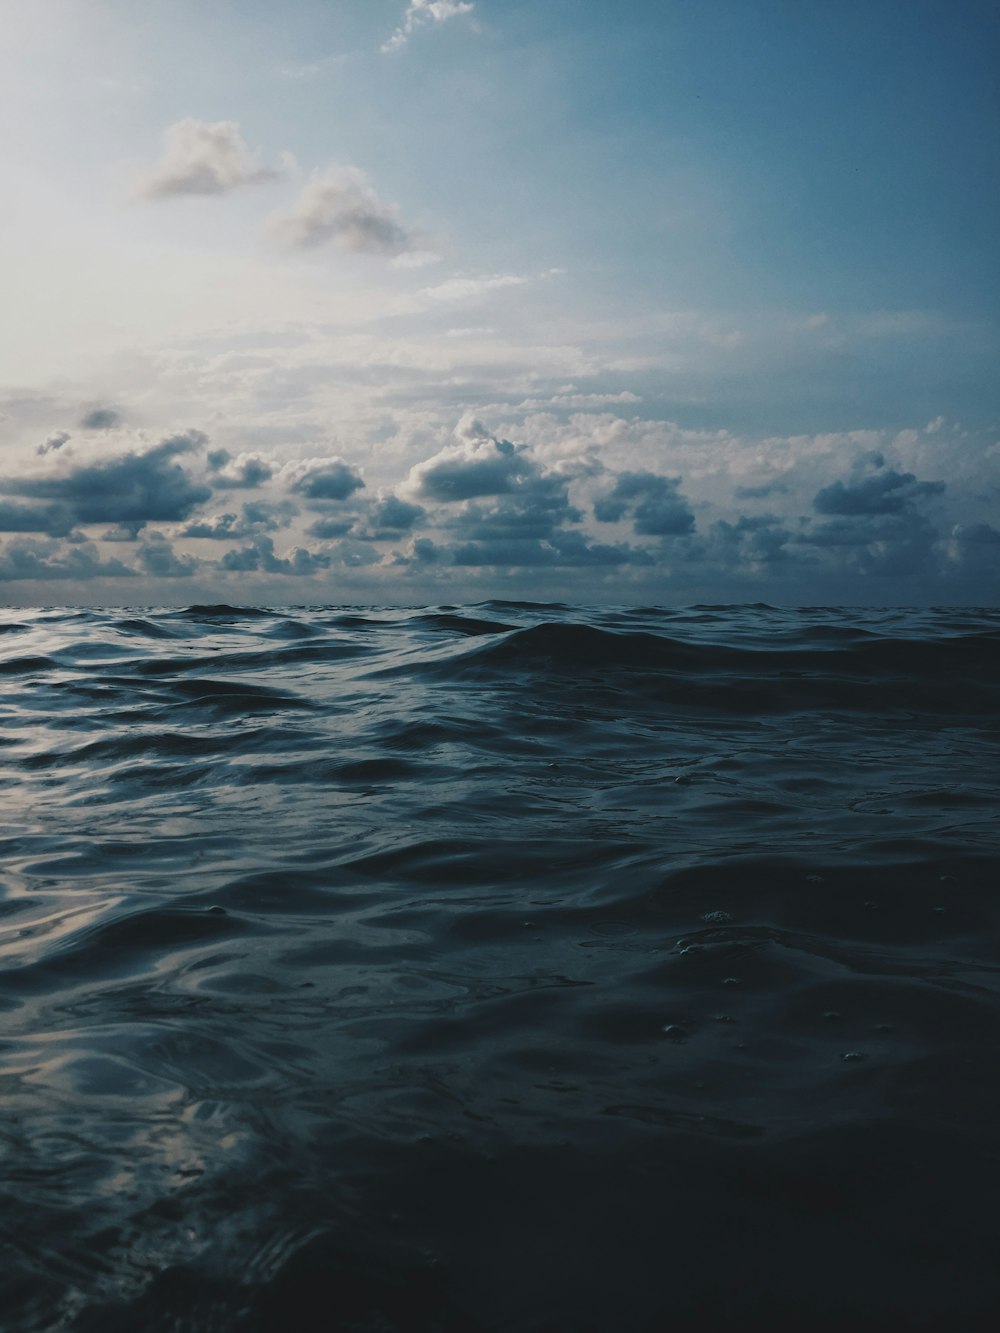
(508, 967)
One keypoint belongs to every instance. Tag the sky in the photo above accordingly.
(409, 301)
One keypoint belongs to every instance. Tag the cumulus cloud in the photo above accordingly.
(137, 487)
(976, 549)
(421, 12)
(877, 522)
(388, 519)
(750, 545)
(339, 207)
(53, 443)
(245, 471)
(537, 508)
(654, 503)
(260, 556)
(327, 529)
(322, 478)
(477, 465)
(33, 560)
(159, 559)
(391, 512)
(887, 492)
(100, 418)
(502, 508)
(124, 532)
(203, 157)
(256, 518)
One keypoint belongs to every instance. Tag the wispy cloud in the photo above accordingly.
(421, 12)
(302, 70)
(465, 289)
(339, 207)
(203, 157)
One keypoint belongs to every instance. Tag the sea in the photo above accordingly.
(503, 968)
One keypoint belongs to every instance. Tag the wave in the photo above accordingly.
(363, 956)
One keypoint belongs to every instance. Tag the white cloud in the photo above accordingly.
(203, 157)
(465, 289)
(416, 259)
(421, 12)
(339, 207)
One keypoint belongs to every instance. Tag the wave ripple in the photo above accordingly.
(508, 968)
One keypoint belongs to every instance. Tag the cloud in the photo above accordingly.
(246, 471)
(478, 465)
(562, 549)
(52, 560)
(54, 520)
(99, 418)
(761, 492)
(979, 534)
(260, 557)
(322, 478)
(53, 443)
(124, 532)
(136, 487)
(879, 544)
(876, 525)
(327, 529)
(503, 509)
(203, 157)
(421, 12)
(466, 289)
(339, 207)
(976, 548)
(391, 512)
(886, 493)
(388, 519)
(257, 517)
(416, 259)
(159, 559)
(749, 545)
(538, 508)
(654, 503)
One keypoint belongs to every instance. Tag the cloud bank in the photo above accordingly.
(584, 500)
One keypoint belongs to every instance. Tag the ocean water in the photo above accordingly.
(514, 967)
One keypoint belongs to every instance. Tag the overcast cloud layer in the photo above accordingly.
(668, 351)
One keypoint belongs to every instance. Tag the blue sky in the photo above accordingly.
(371, 300)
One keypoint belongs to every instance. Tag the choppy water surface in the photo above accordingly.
(509, 967)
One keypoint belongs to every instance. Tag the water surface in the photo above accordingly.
(514, 967)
